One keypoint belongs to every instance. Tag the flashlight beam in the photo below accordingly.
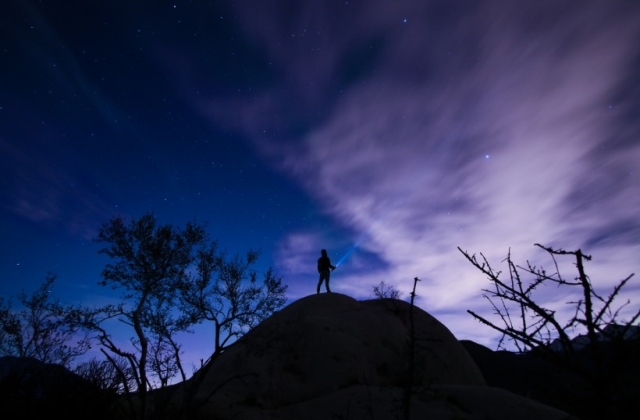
(346, 255)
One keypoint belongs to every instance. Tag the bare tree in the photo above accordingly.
(531, 326)
(411, 371)
(148, 262)
(535, 326)
(384, 291)
(226, 292)
(106, 375)
(39, 330)
(172, 279)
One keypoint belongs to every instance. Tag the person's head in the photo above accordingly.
(323, 252)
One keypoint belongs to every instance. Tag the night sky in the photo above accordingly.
(387, 132)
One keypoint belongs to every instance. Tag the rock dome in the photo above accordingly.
(329, 355)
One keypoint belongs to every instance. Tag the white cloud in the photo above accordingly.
(474, 129)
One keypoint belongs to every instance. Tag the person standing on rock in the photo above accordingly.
(324, 268)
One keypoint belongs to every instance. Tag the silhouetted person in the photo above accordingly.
(324, 268)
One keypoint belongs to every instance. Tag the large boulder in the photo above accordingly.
(330, 355)
(323, 343)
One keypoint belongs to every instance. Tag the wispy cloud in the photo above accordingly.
(489, 129)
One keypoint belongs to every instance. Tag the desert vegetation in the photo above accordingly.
(592, 342)
(173, 278)
(170, 279)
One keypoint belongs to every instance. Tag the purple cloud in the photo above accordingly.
(489, 128)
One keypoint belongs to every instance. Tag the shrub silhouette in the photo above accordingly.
(599, 357)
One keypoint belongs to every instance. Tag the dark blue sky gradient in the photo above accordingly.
(406, 128)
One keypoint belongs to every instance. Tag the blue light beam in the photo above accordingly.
(346, 255)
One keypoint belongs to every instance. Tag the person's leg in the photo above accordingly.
(323, 276)
(327, 282)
